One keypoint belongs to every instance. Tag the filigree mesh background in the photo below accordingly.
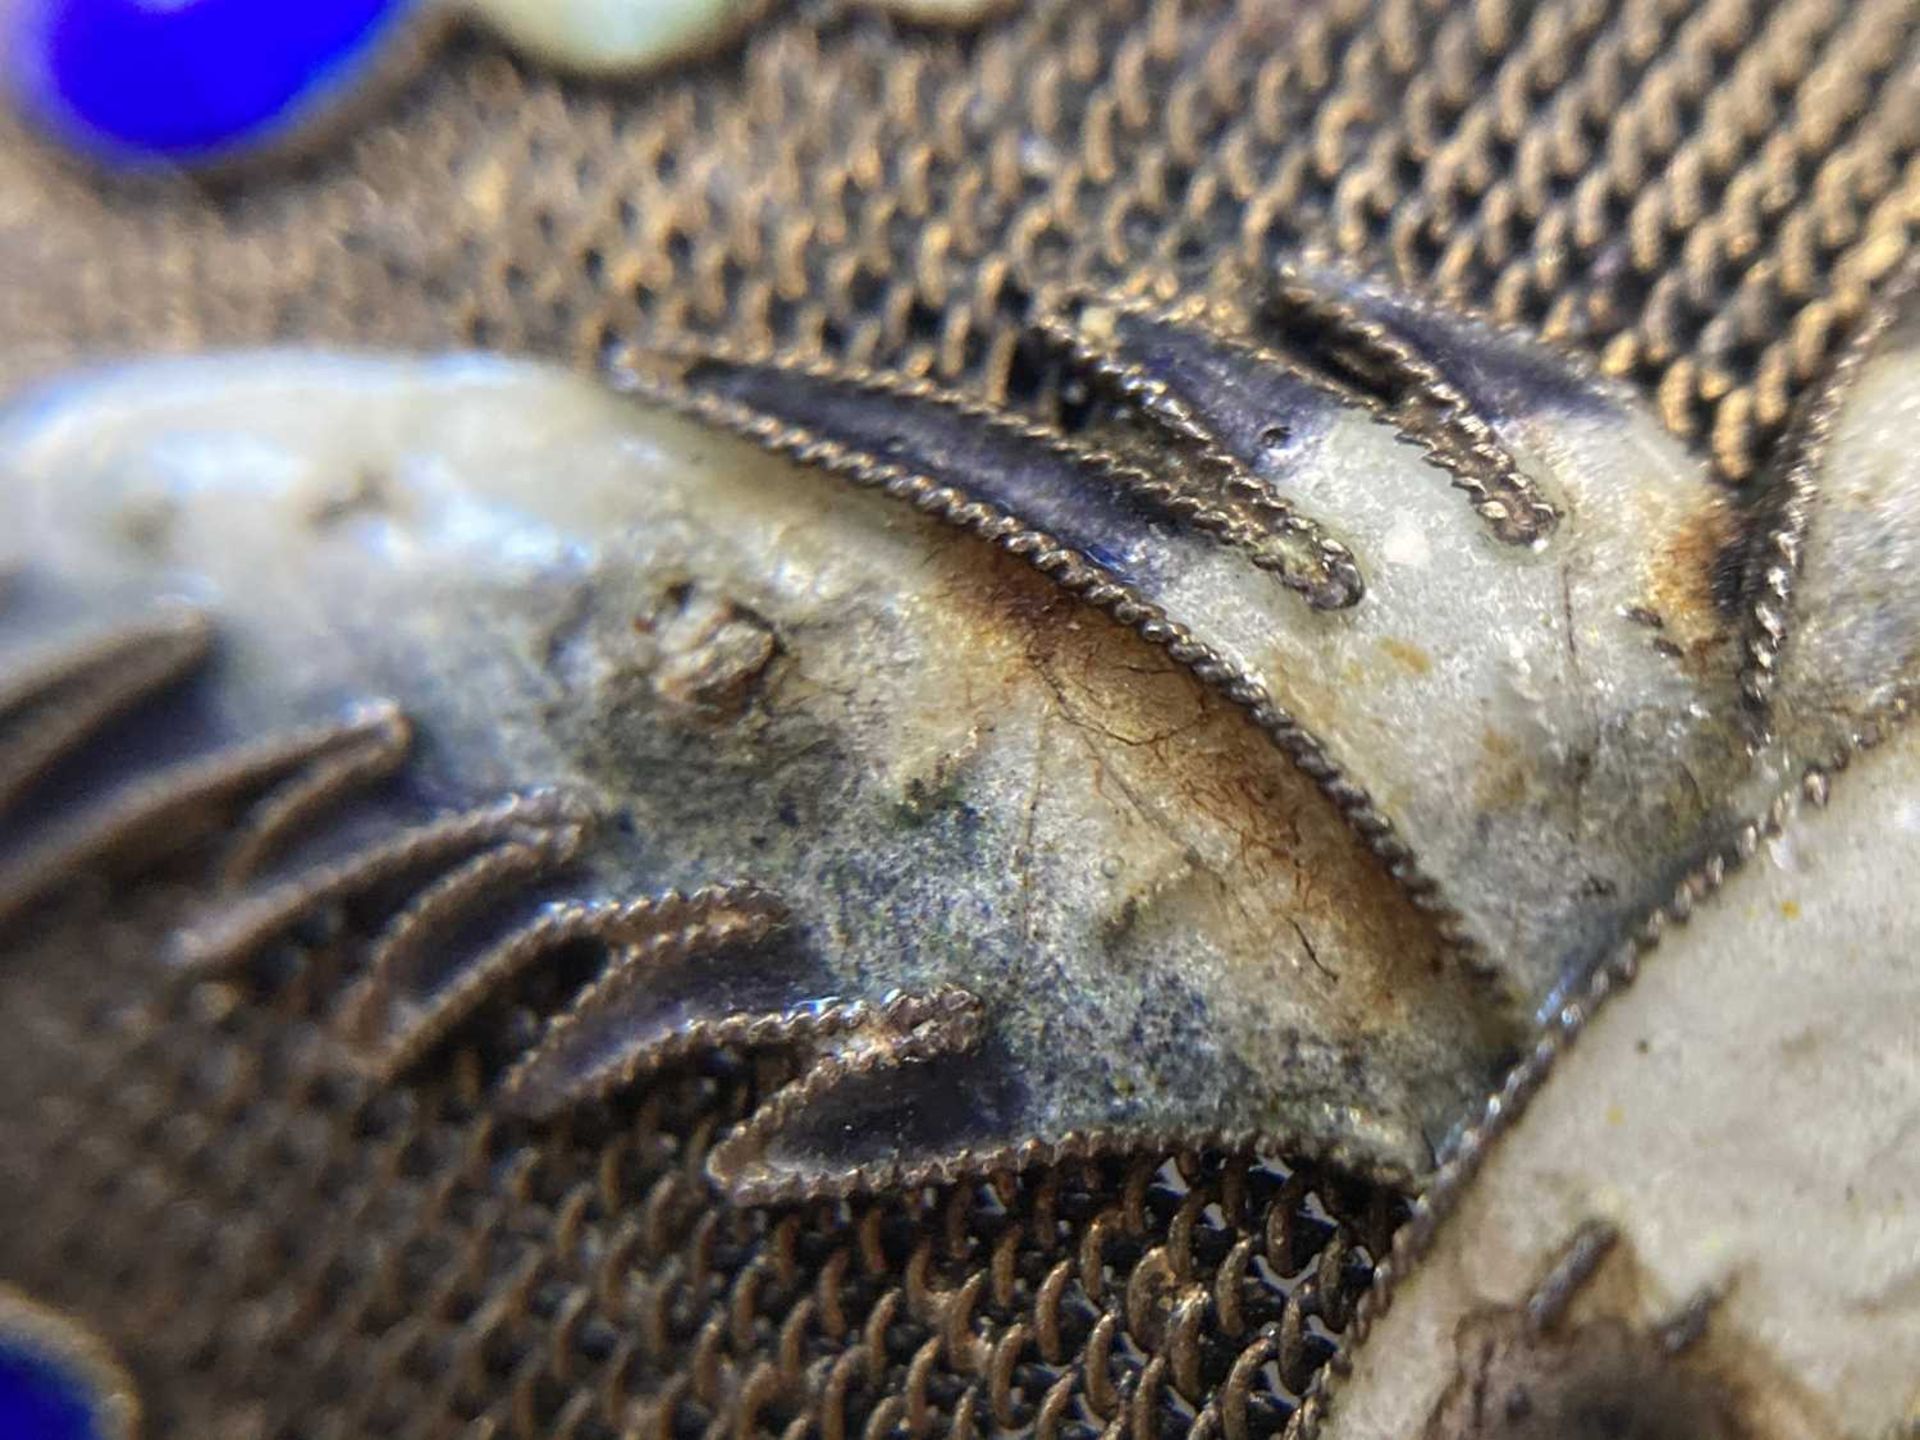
(1698, 197)
(279, 1249)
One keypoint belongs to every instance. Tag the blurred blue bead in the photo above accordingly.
(155, 83)
(40, 1399)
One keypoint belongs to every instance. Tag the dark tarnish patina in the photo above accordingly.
(1530, 1372)
(465, 886)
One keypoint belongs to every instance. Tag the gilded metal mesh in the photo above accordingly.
(279, 1249)
(1700, 197)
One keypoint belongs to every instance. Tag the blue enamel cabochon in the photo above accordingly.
(153, 84)
(57, 1382)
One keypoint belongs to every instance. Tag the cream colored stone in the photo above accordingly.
(612, 36)
(953, 773)
(616, 37)
(1748, 1116)
(943, 12)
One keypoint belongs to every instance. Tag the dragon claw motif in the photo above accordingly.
(1166, 720)
(1495, 732)
(1576, 680)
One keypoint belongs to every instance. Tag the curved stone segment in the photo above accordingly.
(1845, 644)
(1538, 738)
(638, 37)
(613, 37)
(1739, 1124)
(959, 780)
(1550, 728)
(1747, 1119)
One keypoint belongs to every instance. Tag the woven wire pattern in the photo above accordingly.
(1699, 198)
(279, 1249)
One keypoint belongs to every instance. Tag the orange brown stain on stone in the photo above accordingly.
(1269, 855)
(1410, 657)
(1502, 778)
(1680, 576)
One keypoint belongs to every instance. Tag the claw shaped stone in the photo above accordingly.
(1531, 713)
(1125, 833)
(1027, 877)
